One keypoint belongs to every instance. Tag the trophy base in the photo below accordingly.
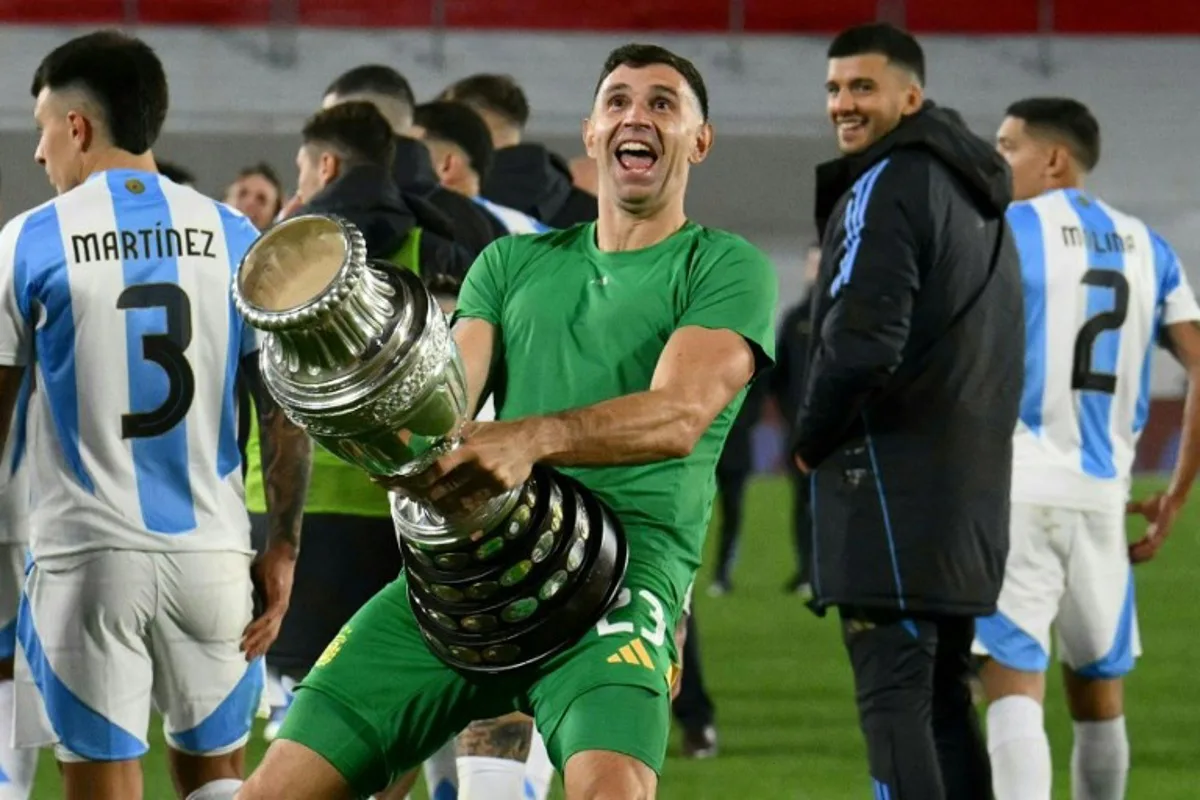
(524, 590)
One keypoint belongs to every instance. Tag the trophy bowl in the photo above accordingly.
(358, 353)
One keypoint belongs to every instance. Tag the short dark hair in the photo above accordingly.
(356, 131)
(460, 125)
(265, 170)
(645, 55)
(173, 172)
(374, 78)
(880, 38)
(1065, 118)
(121, 75)
(499, 94)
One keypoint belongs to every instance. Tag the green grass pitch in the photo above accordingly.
(784, 697)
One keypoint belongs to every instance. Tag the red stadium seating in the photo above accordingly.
(698, 16)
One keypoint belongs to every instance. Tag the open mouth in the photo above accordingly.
(636, 157)
(851, 125)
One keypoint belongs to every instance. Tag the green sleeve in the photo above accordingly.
(733, 286)
(482, 294)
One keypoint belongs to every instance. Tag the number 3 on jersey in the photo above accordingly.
(167, 351)
(655, 636)
(1083, 374)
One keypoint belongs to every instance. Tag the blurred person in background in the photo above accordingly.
(787, 381)
(413, 172)
(461, 148)
(1101, 287)
(257, 193)
(905, 426)
(174, 172)
(344, 168)
(734, 469)
(525, 175)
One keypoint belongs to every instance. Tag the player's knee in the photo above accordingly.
(1094, 700)
(1000, 681)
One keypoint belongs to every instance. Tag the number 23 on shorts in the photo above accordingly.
(638, 624)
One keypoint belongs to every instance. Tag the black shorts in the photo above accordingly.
(344, 561)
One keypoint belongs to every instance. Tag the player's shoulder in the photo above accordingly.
(715, 250)
(515, 249)
(1134, 227)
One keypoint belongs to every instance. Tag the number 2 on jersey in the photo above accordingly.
(166, 350)
(1083, 375)
(656, 637)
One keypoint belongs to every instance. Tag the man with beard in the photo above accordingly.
(350, 551)
(638, 416)
(913, 388)
(525, 175)
(412, 170)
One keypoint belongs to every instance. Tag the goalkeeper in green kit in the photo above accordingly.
(619, 352)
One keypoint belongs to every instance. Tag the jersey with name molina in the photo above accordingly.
(116, 298)
(1100, 286)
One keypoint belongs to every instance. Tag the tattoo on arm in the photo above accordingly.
(286, 461)
(504, 737)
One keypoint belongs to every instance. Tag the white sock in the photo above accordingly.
(441, 773)
(481, 778)
(223, 789)
(1100, 760)
(1019, 749)
(17, 765)
(539, 772)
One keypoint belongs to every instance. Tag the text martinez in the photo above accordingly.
(144, 244)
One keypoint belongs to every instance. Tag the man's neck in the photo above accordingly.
(504, 133)
(618, 229)
(467, 187)
(113, 158)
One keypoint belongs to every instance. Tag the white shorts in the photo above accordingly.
(12, 577)
(114, 633)
(1067, 570)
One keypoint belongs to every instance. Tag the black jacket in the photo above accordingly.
(471, 225)
(531, 179)
(915, 373)
(368, 197)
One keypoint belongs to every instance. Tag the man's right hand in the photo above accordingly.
(1160, 511)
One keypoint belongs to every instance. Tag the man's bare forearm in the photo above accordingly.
(504, 737)
(635, 429)
(1188, 464)
(287, 468)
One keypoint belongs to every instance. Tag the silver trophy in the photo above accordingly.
(359, 353)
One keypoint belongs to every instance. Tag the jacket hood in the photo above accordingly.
(529, 178)
(413, 167)
(368, 197)
(940, 132)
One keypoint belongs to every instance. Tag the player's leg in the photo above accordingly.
(962, 751)
(1016, 642)
(539, 771)
(604, 705)
(893, 659)
(208, 695)
(732, 492)
(1098, 643)
(84, 683)
(491, 758)
(17, 765)
(441, 772)
(375, 705)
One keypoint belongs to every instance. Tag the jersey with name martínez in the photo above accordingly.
(117, 293)
(578, 326)
(1099, 287)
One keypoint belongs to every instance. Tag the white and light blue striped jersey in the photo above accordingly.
(514, 221)
(14, 473)
(118, 294)
(1099, 287)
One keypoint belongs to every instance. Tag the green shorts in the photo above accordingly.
(378, 702)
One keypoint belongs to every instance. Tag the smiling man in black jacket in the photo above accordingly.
(914, 384)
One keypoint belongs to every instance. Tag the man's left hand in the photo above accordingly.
(1160, 511)
(491, 458)
(800, 465)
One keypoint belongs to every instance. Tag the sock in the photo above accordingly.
(441, 773)
(539, 772)
(17, 765)
(1019, 749)
(481, 778)
(1100, 760)
(223, 789)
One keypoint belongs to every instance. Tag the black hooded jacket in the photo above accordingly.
(915, 372)
(472, 226)
(368, 197)
(534, 181)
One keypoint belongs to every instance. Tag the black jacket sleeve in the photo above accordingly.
(873, 286)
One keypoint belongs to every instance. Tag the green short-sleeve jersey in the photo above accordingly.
(578, 326)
